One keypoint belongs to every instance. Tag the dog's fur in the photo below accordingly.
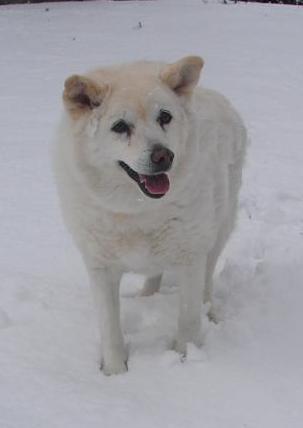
(116, 226)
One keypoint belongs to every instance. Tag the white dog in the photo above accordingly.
(148, 168)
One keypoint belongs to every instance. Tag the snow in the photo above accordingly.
(249, 373)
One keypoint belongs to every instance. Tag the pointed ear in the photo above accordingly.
(182, 76)
(81, 94)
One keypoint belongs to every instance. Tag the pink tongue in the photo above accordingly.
(155, 184)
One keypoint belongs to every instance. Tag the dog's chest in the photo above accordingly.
(151, 244)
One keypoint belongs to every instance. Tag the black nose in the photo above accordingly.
(161, 159)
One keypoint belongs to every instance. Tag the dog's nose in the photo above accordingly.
(161, 158)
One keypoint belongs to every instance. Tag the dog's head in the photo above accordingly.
(130, 127)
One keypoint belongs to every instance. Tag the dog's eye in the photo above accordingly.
(121, 127)
(164, 117)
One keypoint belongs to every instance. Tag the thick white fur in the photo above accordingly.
(116, 227)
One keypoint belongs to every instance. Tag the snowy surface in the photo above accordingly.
(249, 373)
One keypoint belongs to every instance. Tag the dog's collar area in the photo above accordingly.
(154, 186)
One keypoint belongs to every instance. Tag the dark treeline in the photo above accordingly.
(293, 2)
(32, 1)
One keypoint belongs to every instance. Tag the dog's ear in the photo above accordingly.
(182, 76)
(81, 94)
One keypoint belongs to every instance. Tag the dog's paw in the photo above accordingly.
(151, 286)
(212, 316)
(114, 367)
(180, 347)
(180, 344)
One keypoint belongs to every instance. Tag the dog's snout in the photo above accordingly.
(161, 158)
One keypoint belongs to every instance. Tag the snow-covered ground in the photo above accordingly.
(249, 373)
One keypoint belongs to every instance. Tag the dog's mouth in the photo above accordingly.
(155, 186)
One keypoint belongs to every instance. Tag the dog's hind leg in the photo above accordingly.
(209, 284)
(151, 285)
(211, 263)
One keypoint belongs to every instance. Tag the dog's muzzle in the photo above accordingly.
(161, 159)
(156, 184)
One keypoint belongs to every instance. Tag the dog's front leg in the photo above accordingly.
(192, 283)
(105, 285)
